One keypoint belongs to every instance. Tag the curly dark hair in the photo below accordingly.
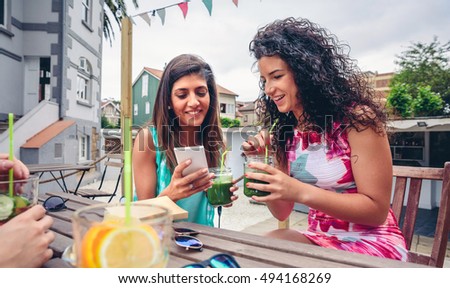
(330, 85)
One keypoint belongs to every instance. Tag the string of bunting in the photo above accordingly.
(182, 5)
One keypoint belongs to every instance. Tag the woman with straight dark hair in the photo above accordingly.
(185, 114)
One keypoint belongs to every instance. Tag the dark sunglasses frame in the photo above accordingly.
(185, 232)
(209, 262)
(181, 239)
(55, 207)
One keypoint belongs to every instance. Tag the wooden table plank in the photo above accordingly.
(249, 250)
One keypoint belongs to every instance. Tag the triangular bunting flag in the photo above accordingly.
(184, 7)
(208, 4)
(146, 18)
(236, 2)
(162, 15)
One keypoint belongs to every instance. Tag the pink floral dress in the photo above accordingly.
(329, 167)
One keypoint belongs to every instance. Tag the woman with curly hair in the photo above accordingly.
(331, 147)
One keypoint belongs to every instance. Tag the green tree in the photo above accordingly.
(118, 9)
(105, 123)
(427, 103)
(423, 65)
(400, 100)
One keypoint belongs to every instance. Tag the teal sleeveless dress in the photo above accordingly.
(197, 205)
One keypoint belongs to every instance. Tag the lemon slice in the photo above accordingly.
(130, 247)
(6, 206)
(90, 243)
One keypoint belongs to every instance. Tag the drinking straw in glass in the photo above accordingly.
(11, 152)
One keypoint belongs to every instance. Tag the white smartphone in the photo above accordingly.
(196, 154)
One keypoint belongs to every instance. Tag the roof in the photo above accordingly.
(220, 89)
(109, 102)
(420, 125)
(247, 106)
(47, 134)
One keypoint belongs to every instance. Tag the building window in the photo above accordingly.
(223, 107)
(83, 80)
(230, 108)
(58, 150)
(245, 118)
(3, 13)
(84, 147)
(86, 12)
(135, 108)
(44, 78)
(145, 85)
(147, 107)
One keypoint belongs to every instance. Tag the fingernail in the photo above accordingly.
(189, 161)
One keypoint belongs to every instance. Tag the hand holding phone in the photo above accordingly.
(196, 154)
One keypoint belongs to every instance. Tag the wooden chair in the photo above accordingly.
(112, 160)
(415, 176)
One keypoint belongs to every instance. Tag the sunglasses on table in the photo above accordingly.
(216, 261)
(185, 232)
(55, 204)
(188, 242)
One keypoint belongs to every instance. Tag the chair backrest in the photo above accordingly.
(112, 160)
(415, 176)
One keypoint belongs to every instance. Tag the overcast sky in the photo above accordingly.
(376, 31)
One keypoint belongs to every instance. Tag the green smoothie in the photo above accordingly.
(219, 194)
(255, 158)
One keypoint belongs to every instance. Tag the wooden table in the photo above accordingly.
(250, 251)
(59, 168)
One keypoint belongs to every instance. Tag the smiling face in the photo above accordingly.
(190, 100)
(279, 84)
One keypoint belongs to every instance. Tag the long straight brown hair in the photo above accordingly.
(165, 120)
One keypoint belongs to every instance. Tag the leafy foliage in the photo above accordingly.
(427, 103)
(425, 65)
(118, 9)
(400, 100)
(229, 123)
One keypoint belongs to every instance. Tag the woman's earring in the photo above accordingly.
(168, 107)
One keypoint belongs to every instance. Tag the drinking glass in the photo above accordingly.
(103, 238)
(24, 195)
(219, 194)
(255, 158)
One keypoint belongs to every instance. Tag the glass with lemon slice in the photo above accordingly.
(103, 239)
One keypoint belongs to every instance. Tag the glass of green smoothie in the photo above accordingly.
(21, 197)
(255, 158)
(219, 194)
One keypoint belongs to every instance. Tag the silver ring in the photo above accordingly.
(191, 186)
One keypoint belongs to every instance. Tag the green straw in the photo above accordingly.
(222, 163)
(270, 131)
(127, 185)
(11, 152)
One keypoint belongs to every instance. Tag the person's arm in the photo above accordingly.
(144, 165)
(371, 166)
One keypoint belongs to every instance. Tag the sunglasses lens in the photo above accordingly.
(194, 265)
(54, 203)
(185, 231)
(188, 242)
(224, 261)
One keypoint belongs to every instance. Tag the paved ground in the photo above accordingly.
(253, 218)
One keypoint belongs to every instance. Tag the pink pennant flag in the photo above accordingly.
(236, 2)
(184, 7)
